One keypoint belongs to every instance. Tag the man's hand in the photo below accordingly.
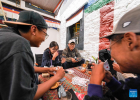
(117, 67)
(73, 60)
(97, 74)
(52, 70)
(99, 61)
(60, 73)
(63, 60)
(77, 59)
(93, 64)
(108, 76)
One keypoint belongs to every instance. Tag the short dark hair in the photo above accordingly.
(53, 44)
(26, 28)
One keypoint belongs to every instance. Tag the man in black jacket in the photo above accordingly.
(16, 58)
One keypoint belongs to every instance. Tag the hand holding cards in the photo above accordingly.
(106, 65)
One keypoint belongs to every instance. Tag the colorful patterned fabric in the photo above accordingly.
(97, 5)
(52, 94)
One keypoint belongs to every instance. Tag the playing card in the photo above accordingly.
(106, 65)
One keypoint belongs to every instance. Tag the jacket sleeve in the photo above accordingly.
(95, 90)
(95, 98)
(46, 59)
(121, 89)
(56, 62)
(78, 55)
(95, 93)
(64, 55)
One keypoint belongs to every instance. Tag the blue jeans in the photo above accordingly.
(67, 65)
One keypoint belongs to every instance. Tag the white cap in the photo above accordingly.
(72, 40)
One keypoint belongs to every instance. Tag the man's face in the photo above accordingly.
(125, 54)
(39, 37)
(71, 46)
(118, 54)
(115, 50)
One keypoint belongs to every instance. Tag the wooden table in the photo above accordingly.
(52, 94)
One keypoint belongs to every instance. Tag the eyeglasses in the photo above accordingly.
(45, 34)
(114, 43)
(119, 40)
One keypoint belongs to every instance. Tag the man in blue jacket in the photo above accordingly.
(125, 49)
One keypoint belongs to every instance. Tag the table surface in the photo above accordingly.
(52, 94)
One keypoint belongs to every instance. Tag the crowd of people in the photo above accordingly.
(17, 63)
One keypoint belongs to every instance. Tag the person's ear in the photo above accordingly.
(33, 29)
(131, 39)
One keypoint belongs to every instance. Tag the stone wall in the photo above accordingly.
(91, 34)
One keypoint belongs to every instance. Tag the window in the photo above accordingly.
(76, 31)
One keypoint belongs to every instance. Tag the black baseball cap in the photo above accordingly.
(130, 22)
(28, 18)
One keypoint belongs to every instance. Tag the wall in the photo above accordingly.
(91, 35)
(53, 36)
